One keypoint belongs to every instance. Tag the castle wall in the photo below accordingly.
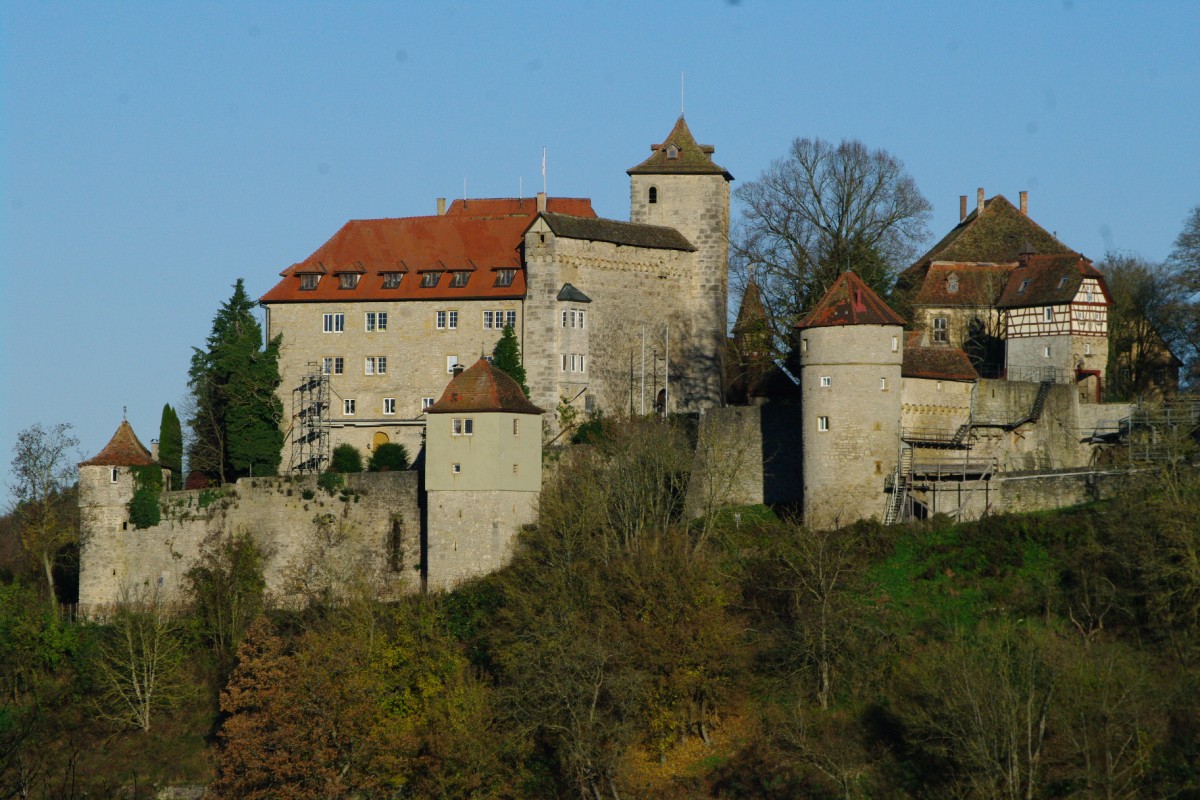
(1053, 442)
(850, 426)
(472, 533)
(935, 405)
(1021, 492)
(314, 542)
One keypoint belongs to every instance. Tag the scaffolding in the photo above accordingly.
(310, 422)
(1162, 431)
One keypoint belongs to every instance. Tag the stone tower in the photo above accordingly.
(106, 485)
(679, 186)
(483, 474)
(850, 360)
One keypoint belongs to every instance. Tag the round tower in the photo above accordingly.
(679, 186)
(850, 362)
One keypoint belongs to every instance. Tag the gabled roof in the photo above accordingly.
(976, 284)
(122, 450)
(630, 234)
(935, 363)
(850, 302)
(997, 235)
(474, 236)
(690, 158)
(483, 387)
(1043, 280)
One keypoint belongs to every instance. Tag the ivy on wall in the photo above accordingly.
(144, 511)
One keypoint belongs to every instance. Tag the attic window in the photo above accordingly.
(504, 277)
(653, 194)
(1024, 285)
(391, 280)
(1062, 281)
(952, 283)
(347, 280)
(430, 279)
(672, 152)
(459, 279)
(308, 281)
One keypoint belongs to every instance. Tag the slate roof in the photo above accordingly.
(631, 234)
(978, 284)
(475, 236)
(936, 363)
(122, 450)
(998, 235)
(570, 294)
(1043, 280)
(691, 159)
(752, 314)
(850, 302)
(483, 387)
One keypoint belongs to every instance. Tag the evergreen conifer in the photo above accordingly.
(506, 357)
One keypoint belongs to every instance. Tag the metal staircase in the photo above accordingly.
(901, 479)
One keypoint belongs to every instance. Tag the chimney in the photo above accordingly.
(979, 199)
(154, 449)
(458, 370)
(541, 202)
(1025, 203)
(441, 206)
(962, 207)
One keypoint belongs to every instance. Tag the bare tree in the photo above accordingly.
(1186, 255)
(43, 472)
(818, 211)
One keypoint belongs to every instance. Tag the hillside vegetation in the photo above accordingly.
(626, 653)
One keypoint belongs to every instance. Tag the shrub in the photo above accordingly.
(346, 458)
(390, 457)
(144, 511)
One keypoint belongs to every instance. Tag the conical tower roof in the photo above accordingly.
(122, 450)
(752, 314)
(850, 302)
(483, 387)
(679, 154)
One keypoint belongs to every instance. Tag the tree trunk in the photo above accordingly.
(48, 565)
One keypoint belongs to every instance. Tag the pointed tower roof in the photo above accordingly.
(679, 154)
(122, 450)
(850, 302)
(483, 387)
(752, 314)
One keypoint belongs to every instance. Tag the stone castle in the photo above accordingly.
(986, 398)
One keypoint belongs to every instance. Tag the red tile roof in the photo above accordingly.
(483, 387)
(690, 158)
(123, 450)
(977, 284)
(850, 302)
(936, 363)
(474, 236)
(1042, 280)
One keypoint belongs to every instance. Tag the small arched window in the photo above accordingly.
(952, 283)
(653, 194)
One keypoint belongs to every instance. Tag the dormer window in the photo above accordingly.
(952, 283)
(653, 195)
(309, 281)
(430, 279)
(672, 152)
(391, 280)
(504, 277)
(1062, 281)
(347, 280)
(459, 278)
(1024, 285)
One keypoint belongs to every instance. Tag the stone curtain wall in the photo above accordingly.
(1022, 492)
(313, 541)
(473, 533)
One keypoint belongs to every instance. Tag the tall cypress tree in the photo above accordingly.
(235, 415)
(506, 357)
(170, 445)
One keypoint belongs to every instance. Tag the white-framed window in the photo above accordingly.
(804, 345)
(952, 283)
(347, 280)
(375, 321)
(452, 320)
(112, 476)
(1087, 349)
(375, 365)
(426, 402)
(391, 280)
(941, 331)
(1048, 314)
(451, 363)
(826, 381)
(309, 281)
(510, 318)
(565, 361)
(333, 323)
(564, 318)
(487, 320)
(369, 365)
(333, 365)
(581, 325)
(516, 426)
(430, 279)
(582, 363)
(459, 278)
(1046, 351)
(389, 405)
(441, 320)
(348, 407)
(822, 424)
(327, 365)
(339, 365)
(883, 384)
(462, 426)
(1024, 285)
(504, 277)
(895, 343)
(456, 468)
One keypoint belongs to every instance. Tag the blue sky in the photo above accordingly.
(152, 153)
